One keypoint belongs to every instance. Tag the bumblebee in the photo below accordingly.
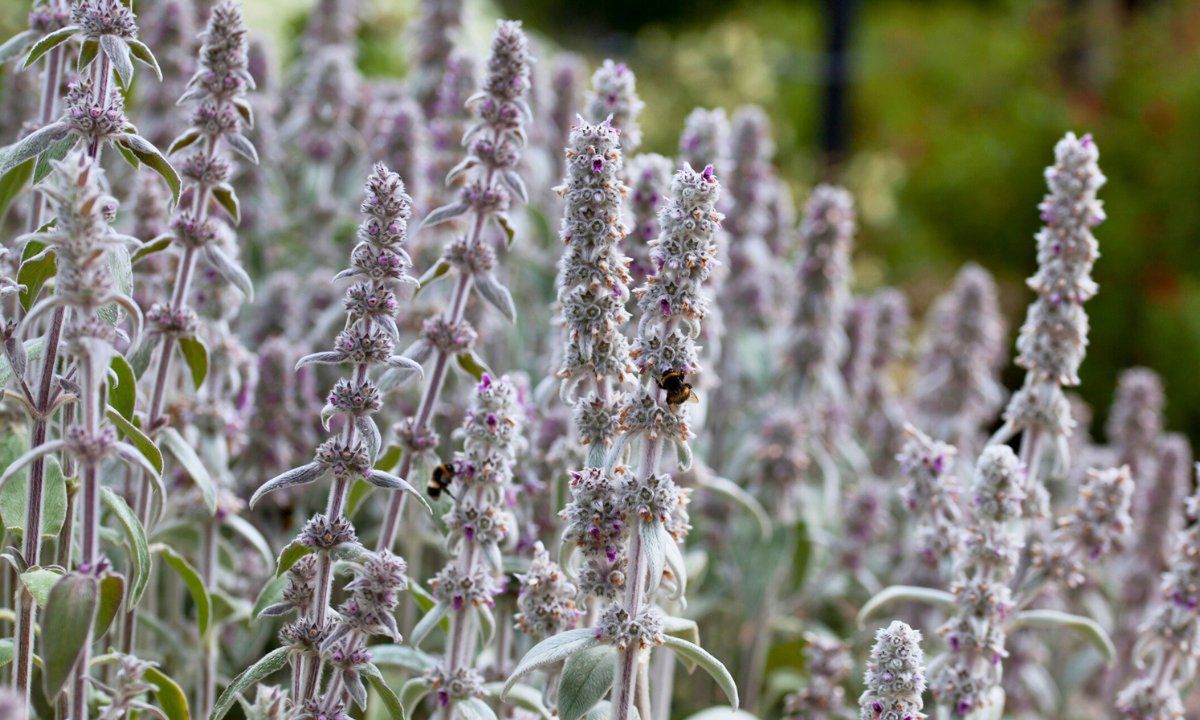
(678, 389)
(439, 483)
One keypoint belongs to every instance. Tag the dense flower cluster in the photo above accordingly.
(546, 602)
(931, 495)
(976, 635)
(593, 273)
(1099, 522)
(895, 676)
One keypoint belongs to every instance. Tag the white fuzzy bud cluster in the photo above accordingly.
(895, 676)
(593, 273)
(705, 139)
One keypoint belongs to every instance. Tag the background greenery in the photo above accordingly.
(955, 107)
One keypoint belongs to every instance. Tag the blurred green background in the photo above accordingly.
(953, 111)
(953, 108)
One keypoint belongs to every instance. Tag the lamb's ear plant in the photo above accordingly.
(93, 117)
(1007, 559)
(1169, 645)
(648, 511)
(491, 186)
(198, 234)
(320, 636)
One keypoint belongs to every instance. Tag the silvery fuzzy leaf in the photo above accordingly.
(356, 690)
(240, 144)
(408, 368)
(552, 650)
(654, 551)
(366, 427)
(328, 357)
(463, 166)
(118, 54)
(379, 478)
(33, 454)
(348, 273)
(31, 145)
(427, 623)
(513, 180)
(496, 295)
(15, 350)
(230, 270)
(444, 213)
(296, 476)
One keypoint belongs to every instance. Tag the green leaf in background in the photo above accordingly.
(169, 695)
(57, 151)
(135, 536)
(183, 453)
(270, 664)
(292, 552)
(195, 354)
(7, 651)
(122, 390)
(14, 493)
(195, 585)
(34, 273)
(698, 655)
(586, 680)
(270, 594)
(471, 364)
(70, 614)
(12, 183)
(136, 437)
(112, 593)
(386, 694)
(38, 581)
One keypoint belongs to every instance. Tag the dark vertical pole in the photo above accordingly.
(835, 119)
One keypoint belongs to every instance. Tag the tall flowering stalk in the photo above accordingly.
(434, 35)
(968, 678)
(84, 286)
(220, 113)
(930, 495)
(641, 508)
(94, 116)
(1170, 640)
(593, 291)
(958, 390)
(492, 185)
(672, 304)
(827, 663)
(478, 523)
(614, 94)
(1053, 340)
(380, 269)
(826, 234)
(746, 297)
